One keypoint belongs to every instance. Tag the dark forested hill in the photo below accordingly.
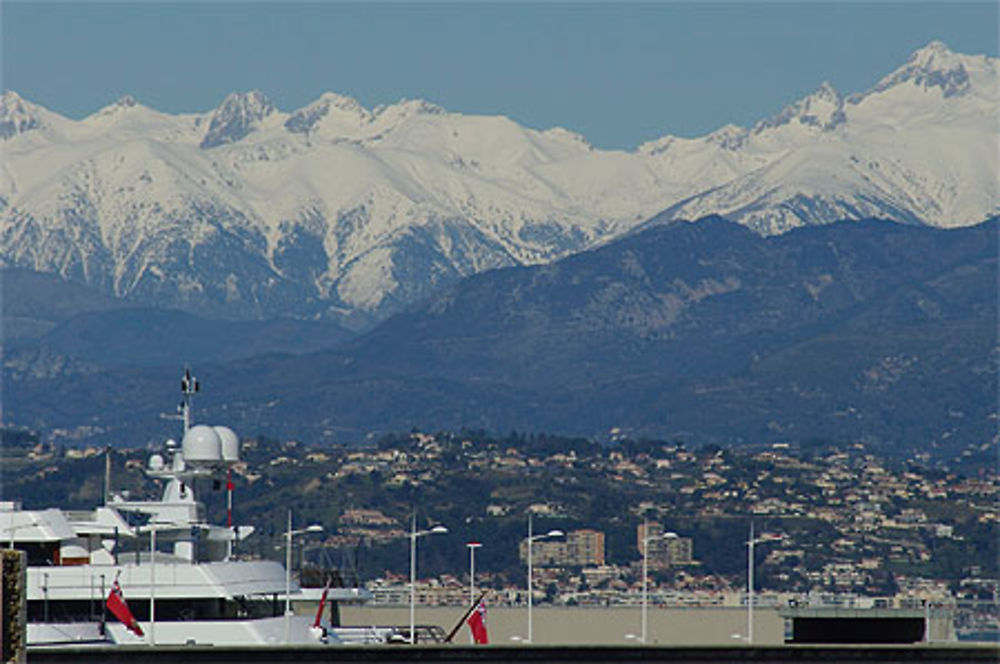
(703, 331)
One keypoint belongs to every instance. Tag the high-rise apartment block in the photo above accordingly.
(664, 552)
(580, 548)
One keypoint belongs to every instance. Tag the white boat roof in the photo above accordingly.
(248, 577)
(100, 521)
(49, 525)
(334, 595)
(174, 578)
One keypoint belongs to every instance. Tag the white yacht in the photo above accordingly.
(177, 572)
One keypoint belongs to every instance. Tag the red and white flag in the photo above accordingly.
(117, 606)
(322, 602)
(477, 624)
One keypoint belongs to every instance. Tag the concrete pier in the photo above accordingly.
(469, 654)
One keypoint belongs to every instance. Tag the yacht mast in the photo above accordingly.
(107, 473)
(189, 386)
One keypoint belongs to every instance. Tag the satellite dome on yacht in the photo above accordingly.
(156, 462)
(179, 571)
(230, 444)
(202, 443)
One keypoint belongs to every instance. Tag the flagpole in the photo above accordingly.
(322, 602)
(472, 546)
(152, 586)
(229, 510)
(413, 576)
(117, 605)
(530, 540)
(104, 610)
(465, 616)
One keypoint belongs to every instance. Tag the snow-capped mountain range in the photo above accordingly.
(341, 211)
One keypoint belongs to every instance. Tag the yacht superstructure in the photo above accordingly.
(177, 571)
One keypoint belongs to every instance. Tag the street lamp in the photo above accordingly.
(152, 529)
(531, 539)
(12, 528)
(646, 539)
(152, 585)
(414, 534)
(289, 533)
(750, 565)
(472, 546)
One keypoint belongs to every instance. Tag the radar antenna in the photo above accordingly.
(189, 387)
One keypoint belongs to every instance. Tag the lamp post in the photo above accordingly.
(289, 533)
(646, 539)
(414, 534)
(32, 523)
(750, 567)
(472, 546)
(531, 540)
(152, 585)
(152, 529)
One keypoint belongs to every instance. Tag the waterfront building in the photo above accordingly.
(664, 553)
(580, 548)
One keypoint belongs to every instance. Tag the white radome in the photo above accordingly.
(156, 463)
(202, 444)
(230, 444)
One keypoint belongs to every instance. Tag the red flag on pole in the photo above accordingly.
(229, 497)
(322, 603)
(117, 606)
(477, 624)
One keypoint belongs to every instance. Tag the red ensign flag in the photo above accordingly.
(117, 606)
(477, 623)
(322, 602)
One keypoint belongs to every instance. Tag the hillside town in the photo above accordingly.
(833, 520)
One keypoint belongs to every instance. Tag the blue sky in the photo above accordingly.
(619, 73)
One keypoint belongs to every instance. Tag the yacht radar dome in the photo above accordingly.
(202, 444)
(230, 444)
(156, 462)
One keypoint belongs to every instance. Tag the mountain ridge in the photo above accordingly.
(706, 332)
(334, 210)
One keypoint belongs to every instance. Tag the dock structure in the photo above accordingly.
(789, 654)
(869, 626)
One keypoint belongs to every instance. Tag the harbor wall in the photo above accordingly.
(581, 626)
(470, 655)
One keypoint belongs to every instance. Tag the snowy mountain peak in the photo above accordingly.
(936, 55)
(563, 134)
(823, 109)
(406, 108)
(729, 137)
(339, 101)
(933, 66)
(330, 108)
(826, 92)
(337, 210)
(418, 107)
(239, 114)
(124, 103)
(17, 116)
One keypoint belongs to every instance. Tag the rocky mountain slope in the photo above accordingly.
(705, 332)
(334, 210)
